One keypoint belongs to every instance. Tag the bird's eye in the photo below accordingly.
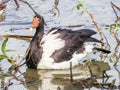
(68, 50)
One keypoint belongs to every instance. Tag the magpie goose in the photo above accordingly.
(58, 47)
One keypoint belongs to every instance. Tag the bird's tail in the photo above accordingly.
(102, 50)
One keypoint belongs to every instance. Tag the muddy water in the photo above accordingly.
(18, 22)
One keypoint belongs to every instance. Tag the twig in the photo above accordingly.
(56, 2)
(118, 18)
(17, 4)
(32, 9)
(72, 26)
(116, 36)
(116, 60)
(58, 88)
(115, 67)
(114, 55)
(5, 1)
(113, 5)
(19, 65)
(112, 84)
(55, 8)
(91, 74)
(29, 6)
(108, 45)
(103, 75)
(93, 20)
(6, 87)
(15, 36)
(95, 23)
(71, 75)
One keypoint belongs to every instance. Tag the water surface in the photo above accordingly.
(18, 23)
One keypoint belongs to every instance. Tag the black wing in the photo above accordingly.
(74, 41)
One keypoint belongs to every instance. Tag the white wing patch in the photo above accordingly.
(50, 44)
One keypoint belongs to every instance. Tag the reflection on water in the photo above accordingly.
(54, 79)
(60, 79)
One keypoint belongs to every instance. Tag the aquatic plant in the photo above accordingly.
(4, 55)
(115, 27)
(80, 6)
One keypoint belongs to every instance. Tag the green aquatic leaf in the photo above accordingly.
(106, 28)
(11, 60)
(4, 53)
(9, 50)
(111, 60)
(81, 12)
(6, 57)
(79, 4)
(4, 46)
(2, 57)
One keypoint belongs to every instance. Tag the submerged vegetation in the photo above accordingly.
(90, 65)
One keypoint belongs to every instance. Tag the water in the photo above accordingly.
(18, 22)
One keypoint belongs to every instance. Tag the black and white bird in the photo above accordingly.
(57, 48)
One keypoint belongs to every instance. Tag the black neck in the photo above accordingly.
(38, 34)
(34, 51)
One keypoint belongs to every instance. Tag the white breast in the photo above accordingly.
(50, 44)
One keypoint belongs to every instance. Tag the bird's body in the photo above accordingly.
(60, 47)
(57, 48)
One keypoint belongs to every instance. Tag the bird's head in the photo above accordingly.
(37, 23)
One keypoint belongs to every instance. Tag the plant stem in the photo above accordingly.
(71, 76)
(96, 25)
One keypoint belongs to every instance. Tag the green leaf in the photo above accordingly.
(4, 54)
(10, 60)
(81, 12)
(4, 46)
(3, 57)
(9, 50)
(106, 28)
(80, 4)
(111, 60)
